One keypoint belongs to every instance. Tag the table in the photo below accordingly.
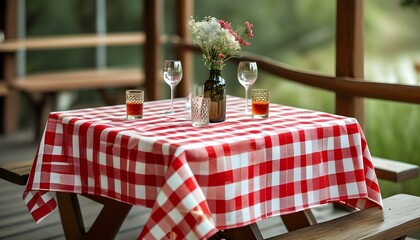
(201, 180)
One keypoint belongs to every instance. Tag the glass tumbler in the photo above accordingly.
(134, 103)
(260, 102)
(200, 111)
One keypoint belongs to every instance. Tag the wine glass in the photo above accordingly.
(172, 74)
(247, 75)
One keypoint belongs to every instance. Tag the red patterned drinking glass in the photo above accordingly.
(134, 103)
(260, 102)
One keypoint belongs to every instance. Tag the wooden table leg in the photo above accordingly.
(292, 222)
(106, 225)
(298, 220)
(249, 232)
(109, 221)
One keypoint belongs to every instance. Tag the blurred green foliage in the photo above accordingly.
(300, 33)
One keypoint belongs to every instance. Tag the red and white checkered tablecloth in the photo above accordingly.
(201, 180)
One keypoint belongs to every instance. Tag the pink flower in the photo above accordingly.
(221, 55)
(224, 24)
(249, 29)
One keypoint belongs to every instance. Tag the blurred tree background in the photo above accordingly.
(300, 33)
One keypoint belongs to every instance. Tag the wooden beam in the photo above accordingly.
(349, 54)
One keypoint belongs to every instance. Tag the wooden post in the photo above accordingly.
(10, 108)
(152, 48)
(349, 54)
(184, 11)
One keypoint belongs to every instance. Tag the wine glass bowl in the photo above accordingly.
(247, 75)
(172, 74)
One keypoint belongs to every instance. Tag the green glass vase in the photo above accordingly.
(215, 89)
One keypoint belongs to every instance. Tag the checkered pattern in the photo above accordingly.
(200, 180)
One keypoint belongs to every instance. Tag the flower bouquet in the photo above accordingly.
(218, 41)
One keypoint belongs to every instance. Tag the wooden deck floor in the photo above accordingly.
(16, 223)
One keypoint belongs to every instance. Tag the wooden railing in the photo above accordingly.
(345, 85)
(348, 84)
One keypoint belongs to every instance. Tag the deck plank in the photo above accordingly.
(17, 223)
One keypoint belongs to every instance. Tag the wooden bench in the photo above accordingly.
(399, 217)
(391, 170)
(394, 171)
(72, 41)
(16, 172)
(40, 89)
(3, 88)
(79, 79)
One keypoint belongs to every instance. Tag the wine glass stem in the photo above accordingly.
(172, 98)
(246, 99)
